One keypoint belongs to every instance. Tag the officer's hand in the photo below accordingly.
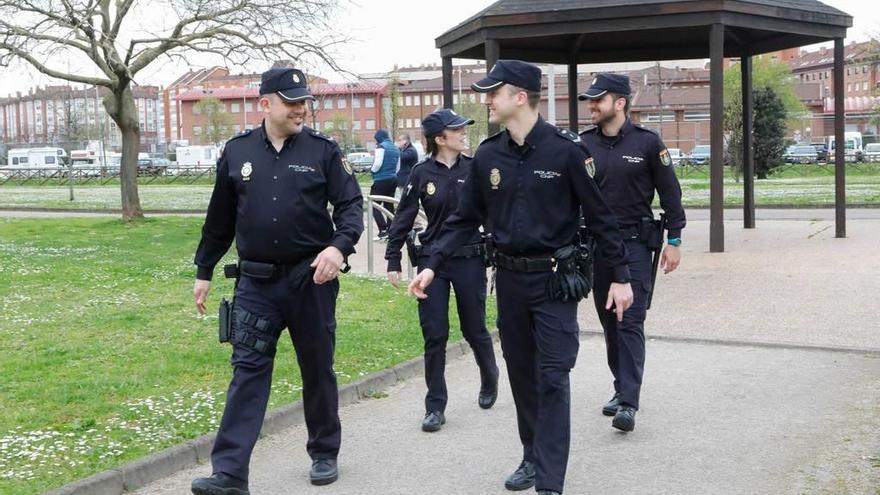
(621, 296)
(200, 292)
(394, 278)
(420, 283)
(670, 258)
(327, 265)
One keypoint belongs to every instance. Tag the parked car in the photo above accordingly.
(801, 154)
(872, 152)
(699, 155)
(676, 155)
(153, 166)
(360, 161)
(821, 152)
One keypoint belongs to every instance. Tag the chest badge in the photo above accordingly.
(665, 159)
(590, 165)
(495, 178)
(430, 189)
(246, 171)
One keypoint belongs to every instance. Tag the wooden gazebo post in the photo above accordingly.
(716, 142)
(748, 155)
(493, 53)
(447, 82)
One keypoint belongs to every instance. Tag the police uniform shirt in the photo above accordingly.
(629, 167)
(274, 203)
(530, 197)
(437, 187)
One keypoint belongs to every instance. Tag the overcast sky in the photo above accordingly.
(392, 32)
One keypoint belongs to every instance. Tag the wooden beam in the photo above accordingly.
(447, 82)
(716, 116)
(493, 53)
(748, 156)
(839, 143)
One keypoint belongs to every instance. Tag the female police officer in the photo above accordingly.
(435, 184)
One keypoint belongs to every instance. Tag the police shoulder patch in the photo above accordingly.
(567, 134)
(590, 165)
(665, 159)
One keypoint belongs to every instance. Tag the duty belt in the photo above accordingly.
(462, 252)
(524, 263)
(630, 233)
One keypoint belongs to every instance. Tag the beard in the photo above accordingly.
(601, 117)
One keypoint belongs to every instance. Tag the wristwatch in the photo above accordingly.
(675, 241)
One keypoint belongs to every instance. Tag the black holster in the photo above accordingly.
(572, 275)
(225, 322)
(489, 252)
(412, 249)
(650, 233)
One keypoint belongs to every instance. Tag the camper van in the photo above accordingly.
(853, 150)
(197, 156)
(36, 158)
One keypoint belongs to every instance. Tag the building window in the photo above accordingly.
(370, 124)
(356, 102)
(436, 100)
(249, 106)
(417, 100)
(864, 69)
(409, 123)
(847, 70)
(417, 123)
(655, 117)
(694, 115)
(369, 102)
(865, 86)
(407, 101)
(356, 125)
(400, 123)
(235, 107)
(849, 87)
(826, 74)
(197, 130)
(328, 104)
(341, 103)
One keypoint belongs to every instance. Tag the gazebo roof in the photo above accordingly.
(590, 31)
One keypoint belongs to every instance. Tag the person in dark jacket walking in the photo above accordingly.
(384, 171)
(435, 184)
(409, 156)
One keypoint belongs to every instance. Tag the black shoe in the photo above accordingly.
(219, 484)
(433, 421)
(323, 471)
(488, 396)
(610, 407)
(625, 419)
(521, 479)
(548, 492)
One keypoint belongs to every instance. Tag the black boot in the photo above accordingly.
(219, 484)
(433, 421)
(625, 419)
(521, 479)
(323, 471)
(610, 407)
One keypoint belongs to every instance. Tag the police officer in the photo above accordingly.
(528, 185)
(435, 184)
(631, 162)
(273, 187)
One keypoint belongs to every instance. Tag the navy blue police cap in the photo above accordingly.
(290, 84)
(434, 123)
(606, 82)
(513, 72)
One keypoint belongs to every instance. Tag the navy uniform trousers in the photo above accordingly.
(625, 340)
(309, 314)
(468, 277)
(539, 338)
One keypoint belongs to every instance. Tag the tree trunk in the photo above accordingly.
(122, 109)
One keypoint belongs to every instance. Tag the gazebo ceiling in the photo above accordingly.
(565, 31)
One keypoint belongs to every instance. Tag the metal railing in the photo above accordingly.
(371, 204)
(104, 175)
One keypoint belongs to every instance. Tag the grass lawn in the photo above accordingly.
(104, 357)
(794, 186)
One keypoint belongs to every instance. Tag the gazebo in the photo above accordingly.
(573, 32)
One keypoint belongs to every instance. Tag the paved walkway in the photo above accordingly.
(791, 417)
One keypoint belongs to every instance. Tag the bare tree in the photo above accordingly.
(115, 39)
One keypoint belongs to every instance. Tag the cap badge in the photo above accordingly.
(495, 178)
(594, 80)
(296, 77)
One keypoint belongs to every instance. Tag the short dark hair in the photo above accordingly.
(534, 97)
(405, 136)
(627, 98)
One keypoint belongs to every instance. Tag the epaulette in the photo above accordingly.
(423, 160)
(321, 135)
(646, 129)
(589, 128)
(493, 136)
(567, 134)
(469, 157)
(246, 132)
